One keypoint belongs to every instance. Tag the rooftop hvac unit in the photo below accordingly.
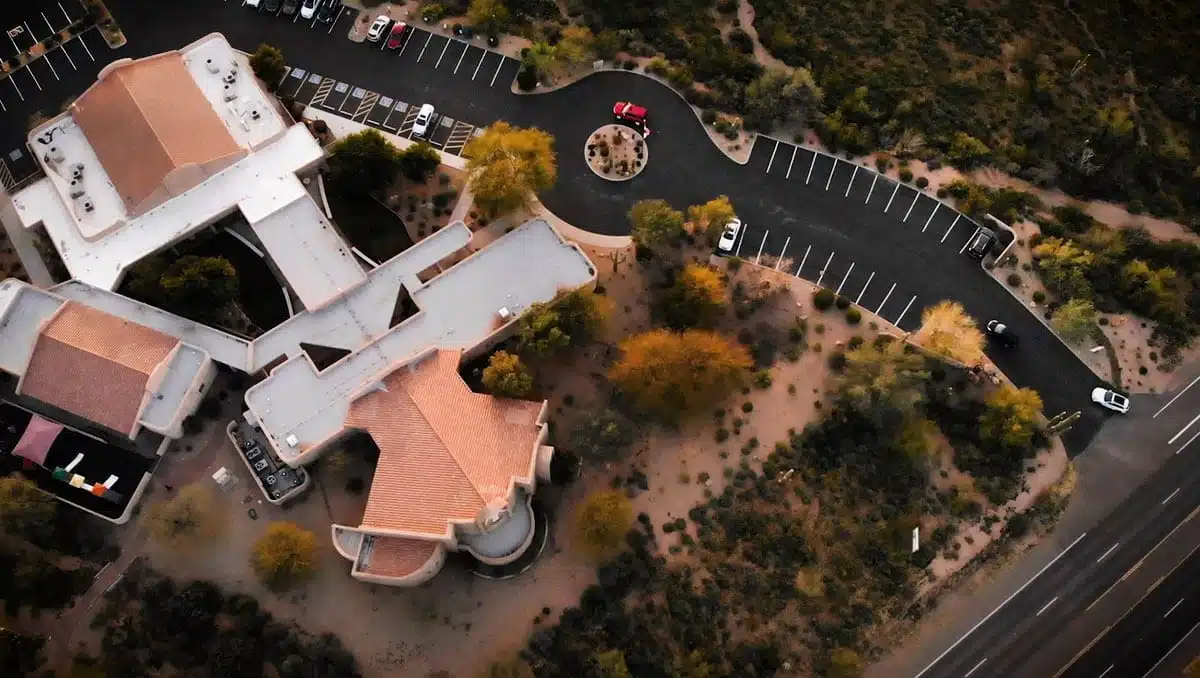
(254, 114)
(76, 189)
(77, 170)
(212, 67)
(504, 313)
(230, 77)
(230, 93)
(55, 154)
(292, 440)
(88, 206)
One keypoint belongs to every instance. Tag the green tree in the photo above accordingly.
(541, 58)
(1010, 416)
(611, 664)
(710, 218)
(602, 522)
(883, 375)
(668, 375)
(363, 163)
(966, 151)
(1075, 320)
(948, 331)
(696, 299)
(571, 319)
(844, 663)
(419, 162)
(575, 46)
(602, 436)
(20, 654)
(187, 514)
(780, 94)
(507, 165)
(1064, 266)
(489, 16)
(201, 287)
(268, 65)
(656, 225)
(506, 377)
(284, 556)
(25, 511)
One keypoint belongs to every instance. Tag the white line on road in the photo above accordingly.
(1169, 652)
(956, 218)
(844, 278)
(811, 165)
(1173, 608)
(968, 241)
(460, 57)
(741, 240)
(46, 58)
(851, 182)
(864, 289)
(1110, 550)
(975, 668)
(762, 244)
(789, 172)
(889, 205)
(1189, 442)
(803, 259)
(335, 22)
(422, 54)
(497, 73)
(85, 47)
(826, 267)
(1110, 668)
(1170, 496)
(831, 171)
(1046, 606)
(1184, 429)
(14, 84)
(68, 16)
(35, 80)
(481, 58)
(931, 214)
(1006, 601)
(876, 178)
(443, 54)
(772, 160)
(902, 313)
(52, 31)
(1177, 396)
(67, 54)
(885, 298)
(782, 253)
(916, 197)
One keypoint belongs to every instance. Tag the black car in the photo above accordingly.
(329, 11)
(290, 7)
(981, 243)
(271, 6)
(1002, 333)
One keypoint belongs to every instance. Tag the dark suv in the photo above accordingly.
(981, 243)
(329, 11)
(1002, 333)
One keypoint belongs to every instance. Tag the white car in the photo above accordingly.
(424, 117)
(309, 8)
(729, 236)
(379, 28)
(252, 3)
(1110, 399)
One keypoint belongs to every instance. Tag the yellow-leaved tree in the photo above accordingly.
(507, 165)
(284, 555)
(602, 522)
(948, 331)
(669, 375)
(696, 299)
(1010, 417)
(710, 218)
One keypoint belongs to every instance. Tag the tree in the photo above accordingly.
(187, 514)
(506, 377)
(284, 555)
(1064, 266)
(779, 94)
(885, 374)
(571, 319)
(844, 663)
(602, 522)
(20, 654)
(1193, 669)
(507, 165)
(419, 162)
(489, 16)
(508, 668)
(1010, 416)
(202, 286)
(604, 435)
(575, 46)
(948, 331)
(656, 225)
(668, 375)
(696, 299)
(25, 511)
(611, 664)
(541, 58)
(268, 65)
(710, 218)
(363, 163)
(966, 151)
(1075, 320)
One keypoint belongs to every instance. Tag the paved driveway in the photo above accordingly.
(886, 246)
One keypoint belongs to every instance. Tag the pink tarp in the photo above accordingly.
(36, 441)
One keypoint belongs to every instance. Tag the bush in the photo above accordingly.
(747, 407)
(708, 116)
(922, 182)
(842, 303)
(823, 299)
(906, 175)
(837, 361)
(853, 316)
(741, 41)
(1039, 297)
(762, 379)
(527, 78)
(722, 435)
(1014, 279)
(942, 193)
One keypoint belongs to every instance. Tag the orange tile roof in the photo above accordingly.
(446, 452)
(397, 556)
(147, 118)
(95, 365)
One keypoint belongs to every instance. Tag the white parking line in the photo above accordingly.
(844, 279)
(1173, 608)
(822, 276)
(811, 165)
(46, 58)
(762, 244)
(772, 160)
(34, 76)
(14, 84)
(481, 58)
(889, 205)
(956, 218)
(789, 172)
(885, 298)
(930, 219)
(851, 182)
(1189, 442)
(68, 16)
(1170, 496)
(68, 55)
(831, 171)
(803, 259)
(964, 247)
(460, 57)
(741, 239)
(916, 197)
(443, 54)
(52, 31)
(910, 303)
(872, 188)
(864, 289)
(85, 47)
(2, 106)
(1046, 606)
(975, 668)
(497, 73)
(422, 54)
(782, 253)
(335, 21)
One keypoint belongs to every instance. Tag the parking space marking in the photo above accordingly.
(322, 92)
(422, 54)
(762, 244)
(33, 75)
(825, 268)
(5, 109)
(68, 55)
(789, 172)
(916, 197)
(803, 259)
(772, 160)
(782, 252)
(956, 218)
(885, 298)
(889, 205)
(864, 289)
(497, 73)
(460, 57)
(381, 104)
(831, 171)
(68, 16)
(51, 28)
(910, 303)
(481, 58)
(14, 84)
(811, 165)
(936, 205)
(46, 58)
(357, 93)
(459, 136)
(400, 106)
(406, 127)
(365, 107)
(964, 247)
(851, 182)
(298, 74)
(85, 47)
(443, 54)
(406, 43)
(844, 279)
(876, 178)
(336, 20)
(742, 239)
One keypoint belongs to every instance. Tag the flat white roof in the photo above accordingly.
(250, 116)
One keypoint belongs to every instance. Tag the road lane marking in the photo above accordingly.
(1183, 430)
(497, 73)
(851, 182)
(477, 66)
(876, 178)
(831, 171)
(1046, 606)
(1110, 668)
(975, 668)
(822, 275)
(916, 197)
(789, 172)
(762, 244)
(1169, 652)
(779, 260)
(1189, 442)
(902, 313)
(880, 308)
(811, 165)
(956, 218)
(443, 54)
(423, 47)
(1110, 550)
(864, 289)
(772, 160)
(1007, 600)
(803, 259)
(1169, 497)
(931, 215)
(1173, 608)
(844, 278)
(1177, 396)
(1138, 564)
(889, 205)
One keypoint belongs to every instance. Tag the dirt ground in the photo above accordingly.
(417, 204)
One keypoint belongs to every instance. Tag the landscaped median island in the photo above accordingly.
(616, 153)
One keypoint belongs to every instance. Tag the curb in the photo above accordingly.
(638, 138)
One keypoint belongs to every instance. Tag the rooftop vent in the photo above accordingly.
(77, 170)
(212, 67)
(504, 313)
(230, 93)
(292, 440)
(76, 188)
(55, 154)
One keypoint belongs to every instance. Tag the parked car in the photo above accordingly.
(1110, 399)
(729, 236)
(981, 243)
(272, 6)
(309, 8)
(253, 3)
(1002, 333)
(424, 118)
(632, 114)
(290, 6)
(378, 28)
(328, 11)
(398, 35)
